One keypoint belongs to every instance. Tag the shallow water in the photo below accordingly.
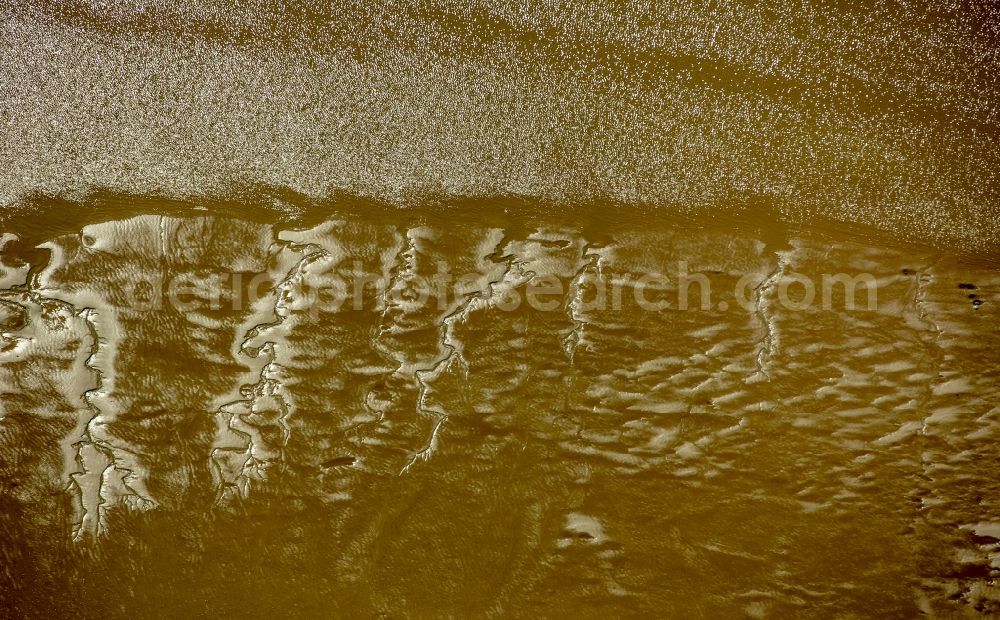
(531, 309)
(502, 448)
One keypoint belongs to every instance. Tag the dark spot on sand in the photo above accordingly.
(908, 272)
(982, 540)
(340, 461)
(972, 571)
(12, 317)
(967, 286)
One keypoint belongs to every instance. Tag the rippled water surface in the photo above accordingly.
(412, 309)
(486, 452)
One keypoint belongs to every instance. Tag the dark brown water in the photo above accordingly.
(294, 428)
(686, 310)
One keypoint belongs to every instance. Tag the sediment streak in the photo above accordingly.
(451, 346)
(769, 339)
(592, 261)
(261, 340)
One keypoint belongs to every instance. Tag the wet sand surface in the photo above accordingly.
(482, 454)
(638, 387)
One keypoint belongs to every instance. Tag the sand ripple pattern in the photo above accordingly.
(472, 458)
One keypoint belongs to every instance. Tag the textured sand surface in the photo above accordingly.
(884, 116)
(554, 435)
